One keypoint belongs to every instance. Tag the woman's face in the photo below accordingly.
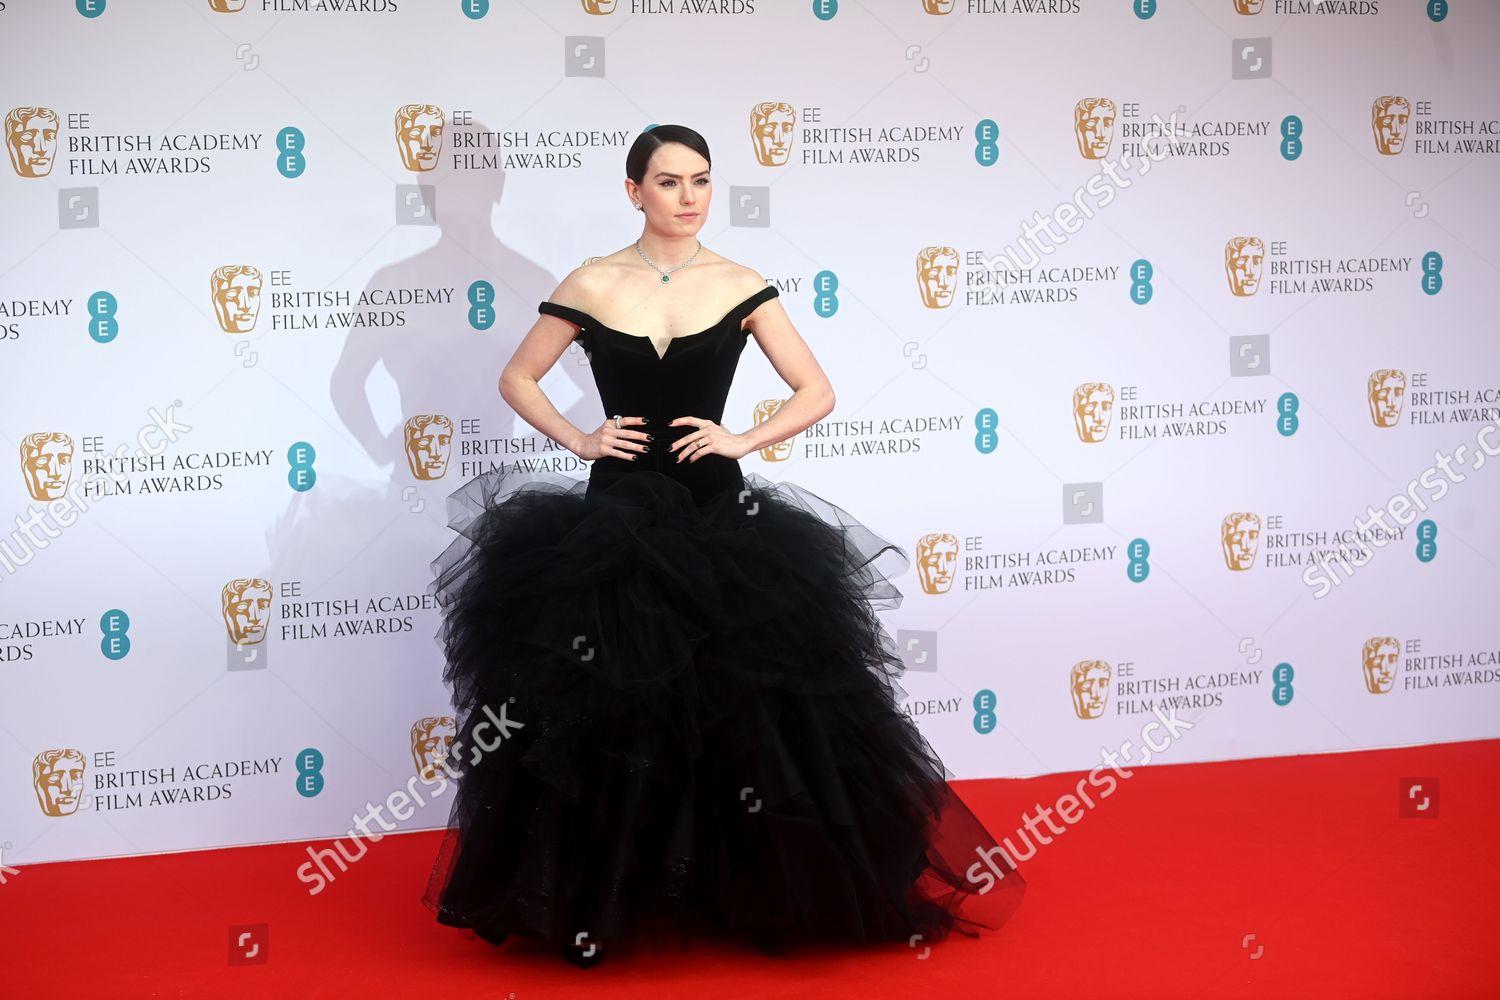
(676, 190)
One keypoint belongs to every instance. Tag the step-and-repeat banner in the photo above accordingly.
(1163, 335)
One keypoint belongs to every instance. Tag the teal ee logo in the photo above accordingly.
(1140, 281)
(309, 773)
(1437, 10)
(289, 159)
(481, 305)
(986, 426)
(1286, 414)
(1139, 565)
(1432, 272)
(474, 10)
(301, 476)
(986, 143)
(1427, 540)
(1144, 9)
(985, 719)
(1281, 684)
(116, 642)
(89, 8)
(102, 326)
(825, 10)
(825, 289)
(1291, 137)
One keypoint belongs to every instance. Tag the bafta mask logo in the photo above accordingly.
(771, 125)
(419, 135)
(57, 776)
(236, 294)
(1239, 536)
(937, 276)
(47, 464)
(590, 260)
(1094, 126)
(226, 6)
(781, 450)
(937, 6)
(1244, 258)
(429, 442)
(31, 140)
(598, 6)
(431, 743)
(246, 606)
(1386, 389)
(937, 561)
(1389, 117)
(1092, 404)
(1249, 6)
(1380, 657)
(1089, 680)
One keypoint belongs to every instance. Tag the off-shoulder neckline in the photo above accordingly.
(595, 324)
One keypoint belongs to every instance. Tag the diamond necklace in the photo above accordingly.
(665, 275)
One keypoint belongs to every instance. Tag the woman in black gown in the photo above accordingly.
(697, 700)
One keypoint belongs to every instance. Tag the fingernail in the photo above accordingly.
(645, 447)
(650, 437)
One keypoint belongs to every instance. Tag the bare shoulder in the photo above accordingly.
(583, 286)
(746, 279)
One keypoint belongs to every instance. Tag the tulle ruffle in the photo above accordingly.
(703, 723)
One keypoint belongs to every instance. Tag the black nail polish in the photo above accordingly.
(645, 447)
(650, 437)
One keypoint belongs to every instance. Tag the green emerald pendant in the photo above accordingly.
(665, 278)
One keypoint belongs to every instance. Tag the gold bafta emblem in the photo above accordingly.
(1089, 681)
(1244, 258)
(598, 6)
(47, 464)
(1249, 6)
(937, 276)
(429, 442)
(771, 125)
(246, 606)
(431, 742)
(1239, 536)
(419, 135)
(1092, 404)
(1094, 126)
(937, 561)
(1380, 657)
(937, 6)
(1389, 117)
(236, 294)
(590, 260)
(781, 450)
(31, 140)
(1386, 389)
(226, 6)
(57, 776)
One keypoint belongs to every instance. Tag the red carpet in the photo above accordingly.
(1154, 893)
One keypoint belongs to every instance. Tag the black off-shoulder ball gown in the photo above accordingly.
(702, 723)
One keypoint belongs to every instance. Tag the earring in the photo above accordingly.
(638, 207)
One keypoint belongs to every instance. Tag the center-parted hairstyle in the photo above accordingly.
(653, 138)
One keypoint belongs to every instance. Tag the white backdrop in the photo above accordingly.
(243, 250)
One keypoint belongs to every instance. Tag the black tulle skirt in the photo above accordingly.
(692, 715)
